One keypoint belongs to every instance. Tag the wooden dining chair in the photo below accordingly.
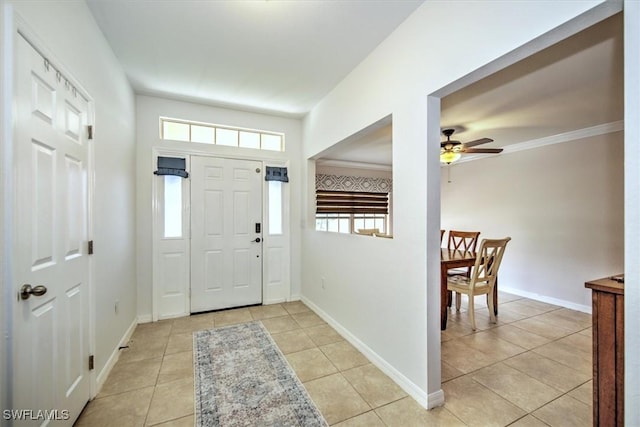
(482, 279)
(368, 231)
(441, 236)
(461, 241)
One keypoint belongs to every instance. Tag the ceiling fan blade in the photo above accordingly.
(483, 150)
(478, 142)
(452, 143)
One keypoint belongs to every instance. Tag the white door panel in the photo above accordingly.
(51, 331)
(171, 254)
(226, 204)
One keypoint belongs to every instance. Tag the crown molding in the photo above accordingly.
(602, 129)
(597, 130)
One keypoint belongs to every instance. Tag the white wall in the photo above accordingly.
(386, 294)
(149, 109)
(563, 206)
(68, 30)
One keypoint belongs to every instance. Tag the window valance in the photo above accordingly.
(172, 166)
(276, 174)
(353, 183)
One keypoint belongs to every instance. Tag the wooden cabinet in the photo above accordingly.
(608, 351)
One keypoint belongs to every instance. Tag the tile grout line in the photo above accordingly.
(303, 330)
(527, 350)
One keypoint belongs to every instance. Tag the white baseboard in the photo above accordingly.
(435, 399)
(542, 298)
(102, 376)
(145, 318)
(170, 316)
(424, 400)
(282, 300)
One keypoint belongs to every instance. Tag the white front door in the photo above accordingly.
(51, 322)
(226, 233)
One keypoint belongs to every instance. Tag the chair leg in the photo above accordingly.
(449, 298)
(458, 301)
(472, 313)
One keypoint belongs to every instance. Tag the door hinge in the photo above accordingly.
(90, 247)
(91, 362)
(90, 131)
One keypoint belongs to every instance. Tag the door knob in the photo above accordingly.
(27, 290)
(257, 240)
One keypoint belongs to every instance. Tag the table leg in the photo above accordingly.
(443, 298)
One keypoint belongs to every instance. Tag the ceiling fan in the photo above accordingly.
(450, 151)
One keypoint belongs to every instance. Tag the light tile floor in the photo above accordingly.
(532, 368)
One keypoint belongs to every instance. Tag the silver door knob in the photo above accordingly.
(27, 290)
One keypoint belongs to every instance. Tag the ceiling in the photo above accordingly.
(572, 85)
(273, 56)
(282, 57)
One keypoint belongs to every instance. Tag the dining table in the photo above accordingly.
(450, 258)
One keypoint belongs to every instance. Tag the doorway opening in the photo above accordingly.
(509, 175)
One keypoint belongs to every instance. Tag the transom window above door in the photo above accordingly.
(208, 133)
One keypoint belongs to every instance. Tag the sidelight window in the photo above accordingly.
(172, 206)
(275, 207)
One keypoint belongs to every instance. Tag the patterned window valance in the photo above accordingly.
(353, 183)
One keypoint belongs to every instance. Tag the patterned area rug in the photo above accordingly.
(242, 379)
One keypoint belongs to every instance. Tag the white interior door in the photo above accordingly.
(226, 246)
(51, 329)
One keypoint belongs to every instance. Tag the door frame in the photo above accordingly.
(193, 150)
(14, 28)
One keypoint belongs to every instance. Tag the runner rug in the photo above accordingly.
(242, 379)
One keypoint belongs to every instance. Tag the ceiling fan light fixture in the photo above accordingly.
(449, 157)
(450, 151)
